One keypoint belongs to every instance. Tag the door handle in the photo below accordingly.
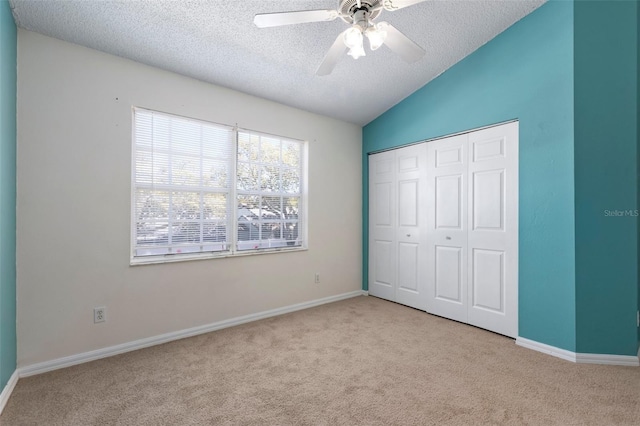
(448, 238)
(408, 235)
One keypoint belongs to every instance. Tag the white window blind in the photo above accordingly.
(269, 182)
(200, 187)
(182, 185)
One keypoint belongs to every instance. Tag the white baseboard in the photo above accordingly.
(580, 358)
(546, 349)
(605, 359)
(8, 389)
(81, 358)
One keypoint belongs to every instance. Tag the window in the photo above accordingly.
(203, 190)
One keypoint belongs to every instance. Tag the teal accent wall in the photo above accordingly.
(525, 73)
(8, 48)
(606, 176)
(569, 72)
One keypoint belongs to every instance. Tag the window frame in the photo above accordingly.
(232, 220)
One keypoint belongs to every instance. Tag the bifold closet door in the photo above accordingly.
(382, 230)
(472, 228)
(447, 227)
(493, 229)
(443, 227)
(396, 225)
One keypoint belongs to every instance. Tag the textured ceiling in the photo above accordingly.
(216, 41)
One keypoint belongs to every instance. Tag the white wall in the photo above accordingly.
(74, 174)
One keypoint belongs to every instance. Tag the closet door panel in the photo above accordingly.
(447, 228)
(493, 229)
(448, 274)
(410, 233)
(407, 267)
(384, 269)
(488, 200)
(487, 278)
(448, 201)
(382, 219)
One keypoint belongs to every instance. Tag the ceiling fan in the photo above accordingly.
(360, 14)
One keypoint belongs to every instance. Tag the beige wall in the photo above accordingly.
(74, 190)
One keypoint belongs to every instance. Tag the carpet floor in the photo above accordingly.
(361, 361)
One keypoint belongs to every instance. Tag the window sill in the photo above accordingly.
(150, 260)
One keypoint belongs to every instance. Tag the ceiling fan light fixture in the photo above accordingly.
(353, 37)
(356, 52)
(354, 41)
(376, 34)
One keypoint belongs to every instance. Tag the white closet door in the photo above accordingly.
(493, 229)
(382, 229)
(447, 227)
(396, 222)
(410, 162)
(443, 227)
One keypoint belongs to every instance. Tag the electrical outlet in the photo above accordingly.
(317, 280)
(99, 314)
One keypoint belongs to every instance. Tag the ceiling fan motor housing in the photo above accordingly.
(348, 9)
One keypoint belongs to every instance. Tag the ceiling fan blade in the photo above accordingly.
(333, 55)
(265, 20)
(401, 44)
(392, 5)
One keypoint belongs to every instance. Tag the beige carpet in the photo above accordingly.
(362, 361)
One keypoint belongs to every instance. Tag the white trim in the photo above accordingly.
(580, 358)
(186, 257)
(605, 359)
(546, 349)
(8, 389)
(81, 358)
(435, 138)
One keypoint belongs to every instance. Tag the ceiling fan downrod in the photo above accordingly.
(361, 18)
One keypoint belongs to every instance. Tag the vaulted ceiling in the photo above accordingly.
(217, 42)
